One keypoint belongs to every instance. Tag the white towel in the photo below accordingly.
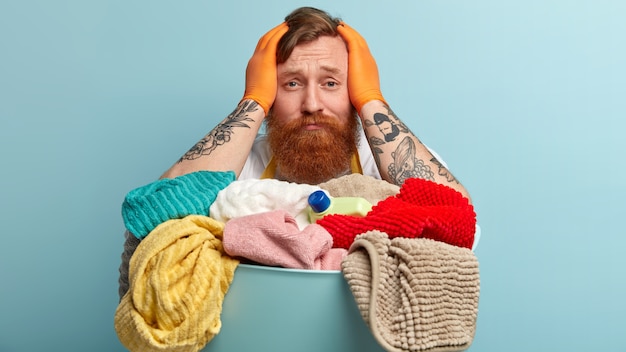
(252, 196)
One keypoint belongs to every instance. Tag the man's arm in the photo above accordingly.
(399, 154)
(227, 146)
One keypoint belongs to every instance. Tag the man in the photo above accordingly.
(314, 82)
(311, 78)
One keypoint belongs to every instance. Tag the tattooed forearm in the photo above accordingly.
(221, 134)
(389, 125)
(405, 161)
(442, 171)
(406, 164)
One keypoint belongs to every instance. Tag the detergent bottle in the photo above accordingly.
(321, 204)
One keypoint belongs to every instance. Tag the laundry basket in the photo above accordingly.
(288, 310)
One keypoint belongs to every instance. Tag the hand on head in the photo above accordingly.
(363, 81)
(261, 80)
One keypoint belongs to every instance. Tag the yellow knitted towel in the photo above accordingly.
(179, 275)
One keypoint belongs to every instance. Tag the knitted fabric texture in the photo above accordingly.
(252, 196)
(273, 238)
(179, 276)
(421, 209)
(146, 207)
(415, 294)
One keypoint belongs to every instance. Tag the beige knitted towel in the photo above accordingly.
(415, 294)
(357, 185)
(179, 276)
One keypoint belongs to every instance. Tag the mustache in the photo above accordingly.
(318, 119)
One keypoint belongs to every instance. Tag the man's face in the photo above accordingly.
(312, 126)
(314, 80)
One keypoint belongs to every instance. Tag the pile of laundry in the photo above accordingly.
(408, 262)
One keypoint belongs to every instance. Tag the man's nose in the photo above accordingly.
(311, 102)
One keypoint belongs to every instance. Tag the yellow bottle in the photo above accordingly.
(320, 205)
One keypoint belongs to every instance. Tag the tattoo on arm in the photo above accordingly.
(397, 121)
(390, 128)
(406, 164)
(220, 135)
(376, 151)
(442, 171)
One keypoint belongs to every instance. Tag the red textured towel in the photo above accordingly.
(421, 209)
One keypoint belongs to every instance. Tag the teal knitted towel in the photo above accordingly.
(146, 207)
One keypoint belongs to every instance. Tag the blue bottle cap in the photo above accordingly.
(319, 201)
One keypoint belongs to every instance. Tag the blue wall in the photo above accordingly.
(524, 100)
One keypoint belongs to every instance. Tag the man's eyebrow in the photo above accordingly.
(326, 68)
(331, 69)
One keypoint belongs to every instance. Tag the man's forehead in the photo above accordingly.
(328, 53)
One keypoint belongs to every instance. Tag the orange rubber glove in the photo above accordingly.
(261, 79)
(363, 81)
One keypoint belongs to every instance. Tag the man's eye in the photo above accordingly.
(292, 84)
(331, 84)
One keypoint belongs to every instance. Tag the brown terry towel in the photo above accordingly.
(357, 185)
(415, 294)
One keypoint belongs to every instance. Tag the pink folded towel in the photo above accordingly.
(273, 238)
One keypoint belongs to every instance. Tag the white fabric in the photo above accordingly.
(253, 196)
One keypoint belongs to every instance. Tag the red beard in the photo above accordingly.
(312, 156)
